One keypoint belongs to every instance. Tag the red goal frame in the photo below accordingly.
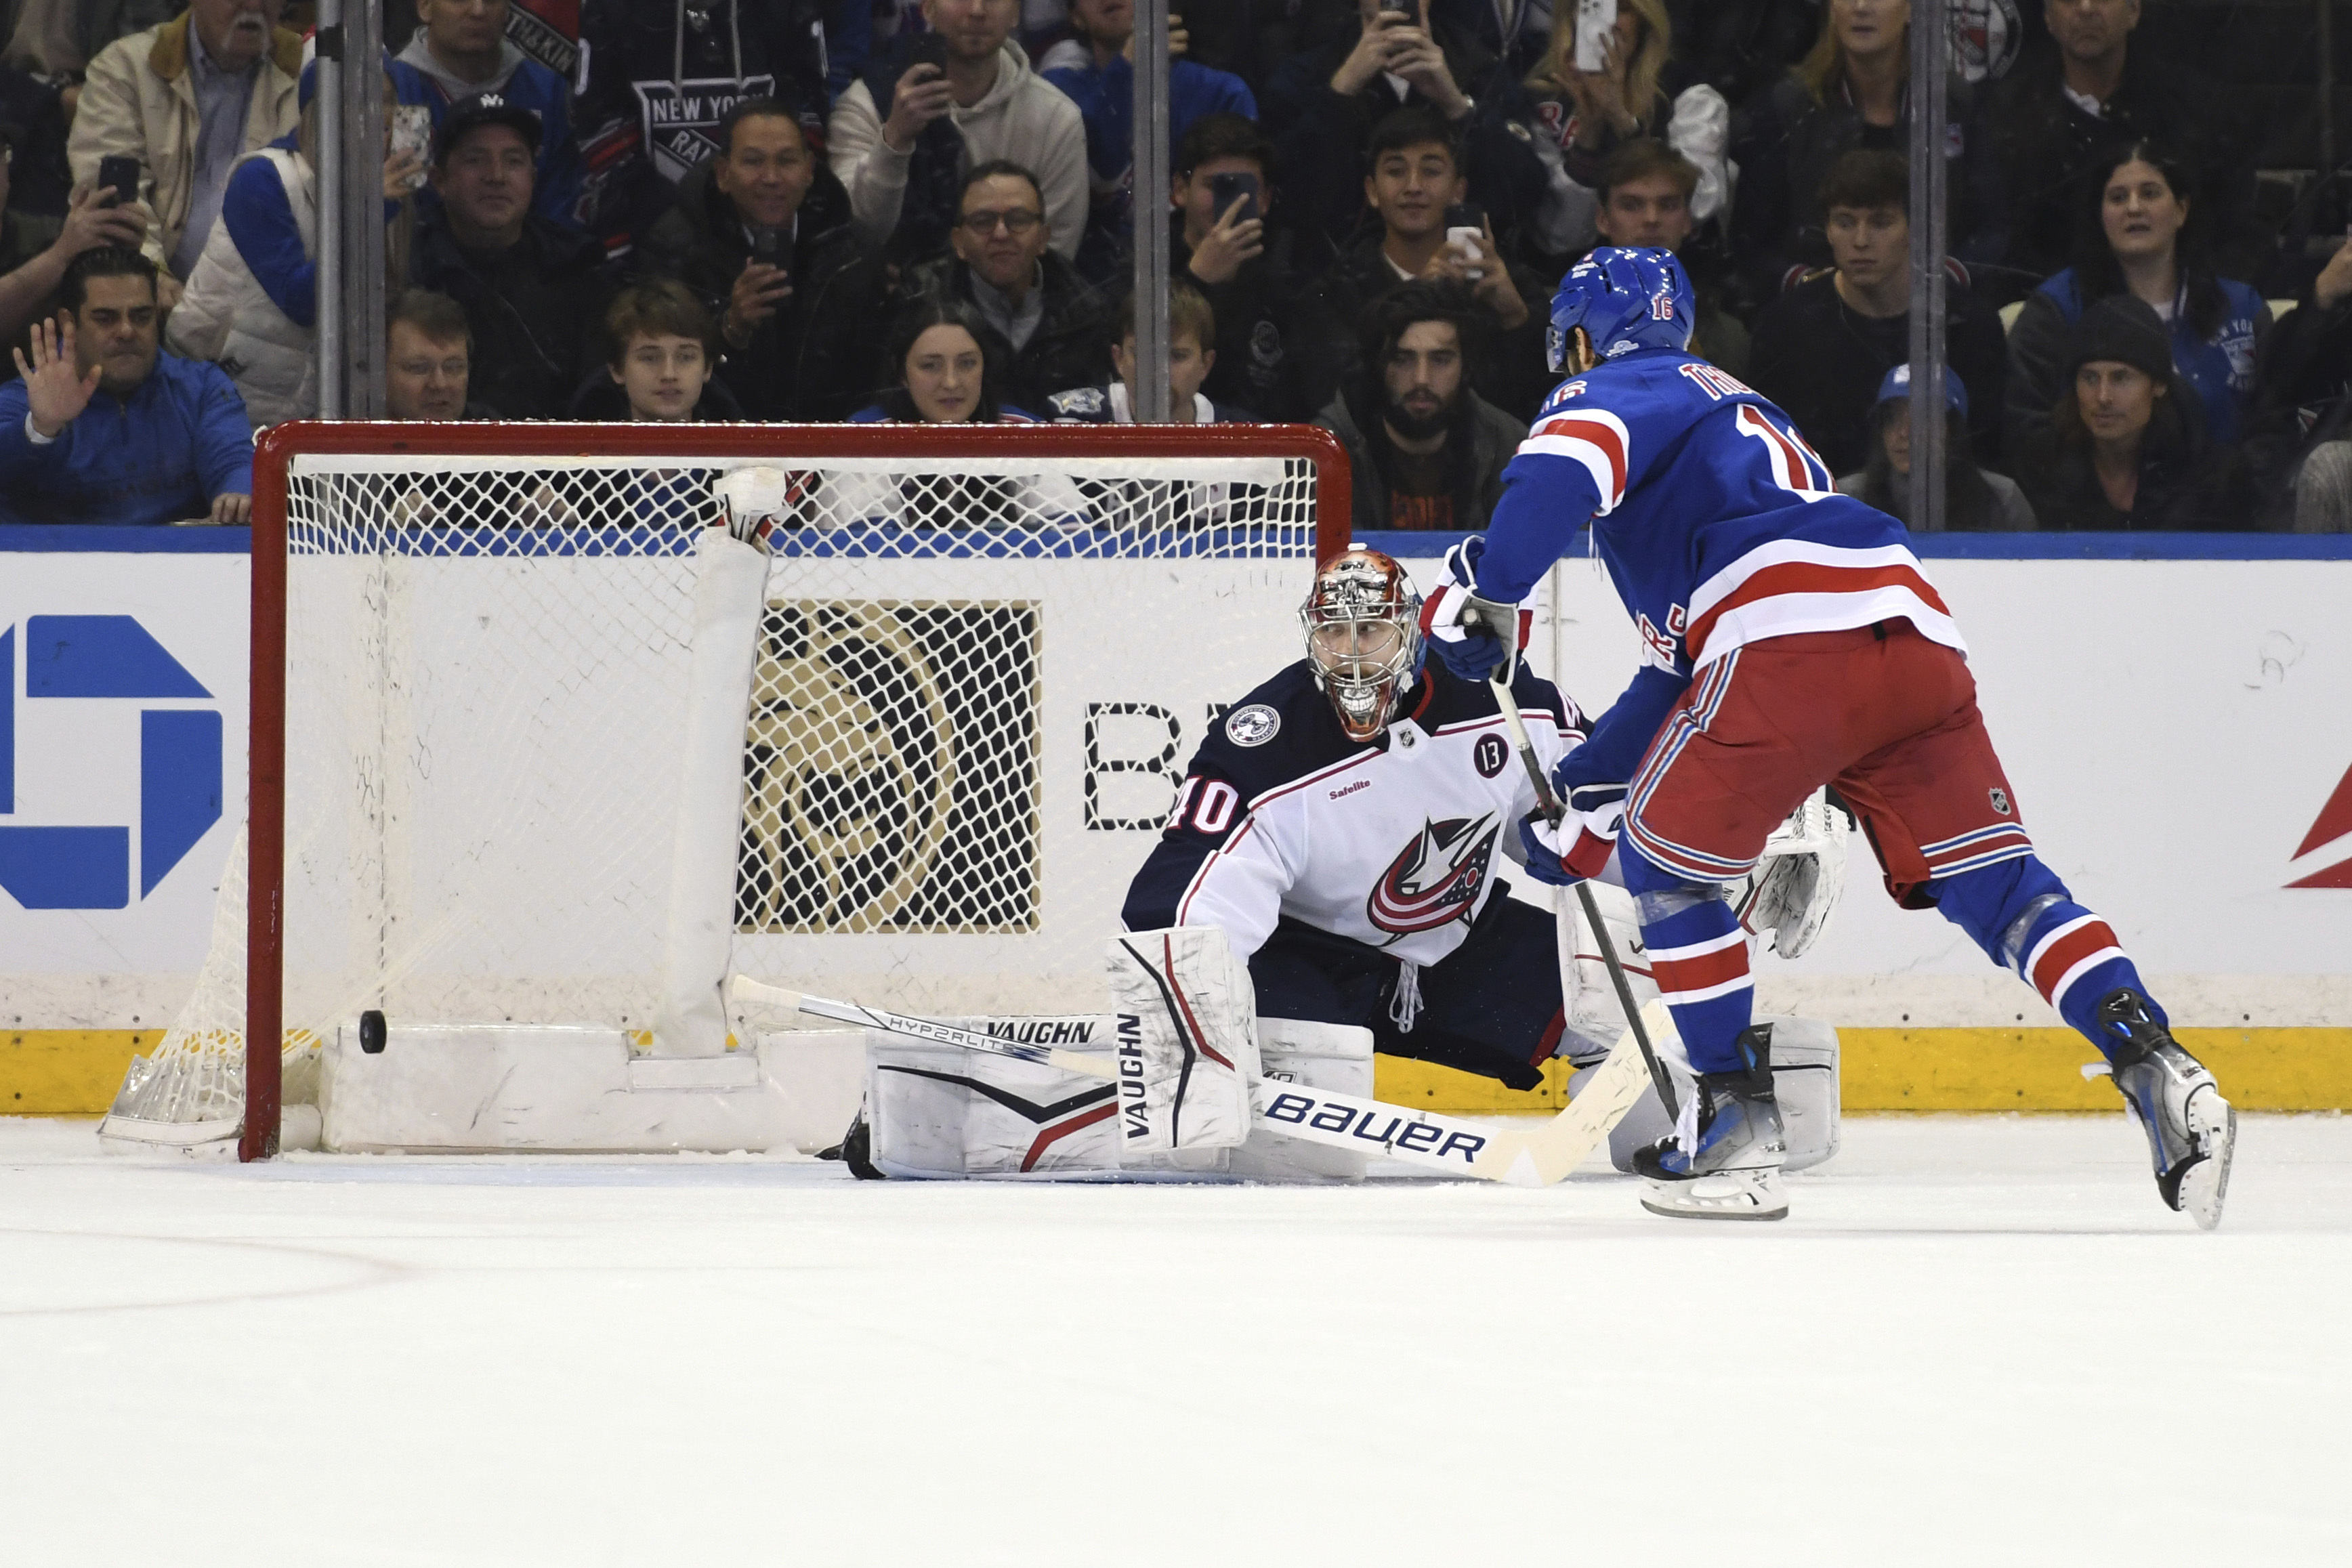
(265, 778)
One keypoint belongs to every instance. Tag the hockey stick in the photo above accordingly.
(928, 1031)
(1421, 1138)
(1499, 683)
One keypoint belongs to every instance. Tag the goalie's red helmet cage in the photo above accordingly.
(1363, 623)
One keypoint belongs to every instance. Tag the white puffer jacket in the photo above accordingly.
(226, 316)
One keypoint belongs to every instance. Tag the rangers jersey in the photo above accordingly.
(1717, 524)
(1390, 842)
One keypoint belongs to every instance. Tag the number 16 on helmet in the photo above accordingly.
(1624, 299)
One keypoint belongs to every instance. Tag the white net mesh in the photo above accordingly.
(976, 684)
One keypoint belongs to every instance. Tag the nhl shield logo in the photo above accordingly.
(1999, 799)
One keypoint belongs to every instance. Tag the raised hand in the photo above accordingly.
(759, 289)
(1223, 250)
(1385, 34)
(95, 219)
(1422, 63)
(55, 390)
(923, 96)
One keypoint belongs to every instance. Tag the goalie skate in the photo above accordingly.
(2191, 1130)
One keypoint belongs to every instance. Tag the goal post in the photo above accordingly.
(983, 654)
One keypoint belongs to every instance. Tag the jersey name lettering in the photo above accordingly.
(1716, 383)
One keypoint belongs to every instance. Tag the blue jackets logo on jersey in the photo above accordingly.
(1436, 878)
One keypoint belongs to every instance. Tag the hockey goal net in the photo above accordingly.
(978, 658)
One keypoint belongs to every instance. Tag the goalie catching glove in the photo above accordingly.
(1461, 625)
(1185, 1023)
(757, 498)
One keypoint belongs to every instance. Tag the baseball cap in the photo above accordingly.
(1896, 384)
(483, 108)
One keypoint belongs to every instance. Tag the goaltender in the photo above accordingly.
(1342, 826)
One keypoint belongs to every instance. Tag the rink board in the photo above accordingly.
(2174, 729)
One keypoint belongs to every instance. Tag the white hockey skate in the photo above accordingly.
(2191, 1130)
(1723, 1160)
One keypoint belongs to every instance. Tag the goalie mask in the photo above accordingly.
(1364, 637)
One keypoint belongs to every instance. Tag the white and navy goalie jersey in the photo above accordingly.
(1392, 843)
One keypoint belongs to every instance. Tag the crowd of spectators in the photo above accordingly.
(926, 210)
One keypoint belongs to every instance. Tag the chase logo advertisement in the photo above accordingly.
(892, 769)
(120, 678)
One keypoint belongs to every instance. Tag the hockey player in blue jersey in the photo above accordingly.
(1789, 638)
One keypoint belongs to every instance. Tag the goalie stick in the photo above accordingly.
(1422, 1138)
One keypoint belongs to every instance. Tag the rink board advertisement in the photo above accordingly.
(2175, 731)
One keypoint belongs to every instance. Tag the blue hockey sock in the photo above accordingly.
(1698, 956)
(2025, 920)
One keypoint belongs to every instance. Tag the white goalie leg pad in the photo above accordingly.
(1593, 1015)
(1185, 1022)
(1331, 1056)
(936, 1112)
(1805, 1080)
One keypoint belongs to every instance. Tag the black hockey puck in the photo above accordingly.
(372, 1033)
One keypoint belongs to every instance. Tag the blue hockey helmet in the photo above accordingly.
(1624, 301)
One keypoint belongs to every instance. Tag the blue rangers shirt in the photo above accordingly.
(1390, 842)
(1717, 524)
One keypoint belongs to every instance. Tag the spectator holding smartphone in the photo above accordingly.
(34, 252)
(1097, 70)
(461, 48)
(187, 100)
(1414, 182)
(1640, 92)
(763, 234)
(959, 95)
(1221, 244)
(1321, 108)
(251, 303)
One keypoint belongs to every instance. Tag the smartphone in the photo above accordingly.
(121, 175)
(931, 50)
(1224, 189)
(1596, 21)
(1466, 230)
(412, 131)
(1397, 7)
(766, 246)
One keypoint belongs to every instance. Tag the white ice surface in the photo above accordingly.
(1977, 1341)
